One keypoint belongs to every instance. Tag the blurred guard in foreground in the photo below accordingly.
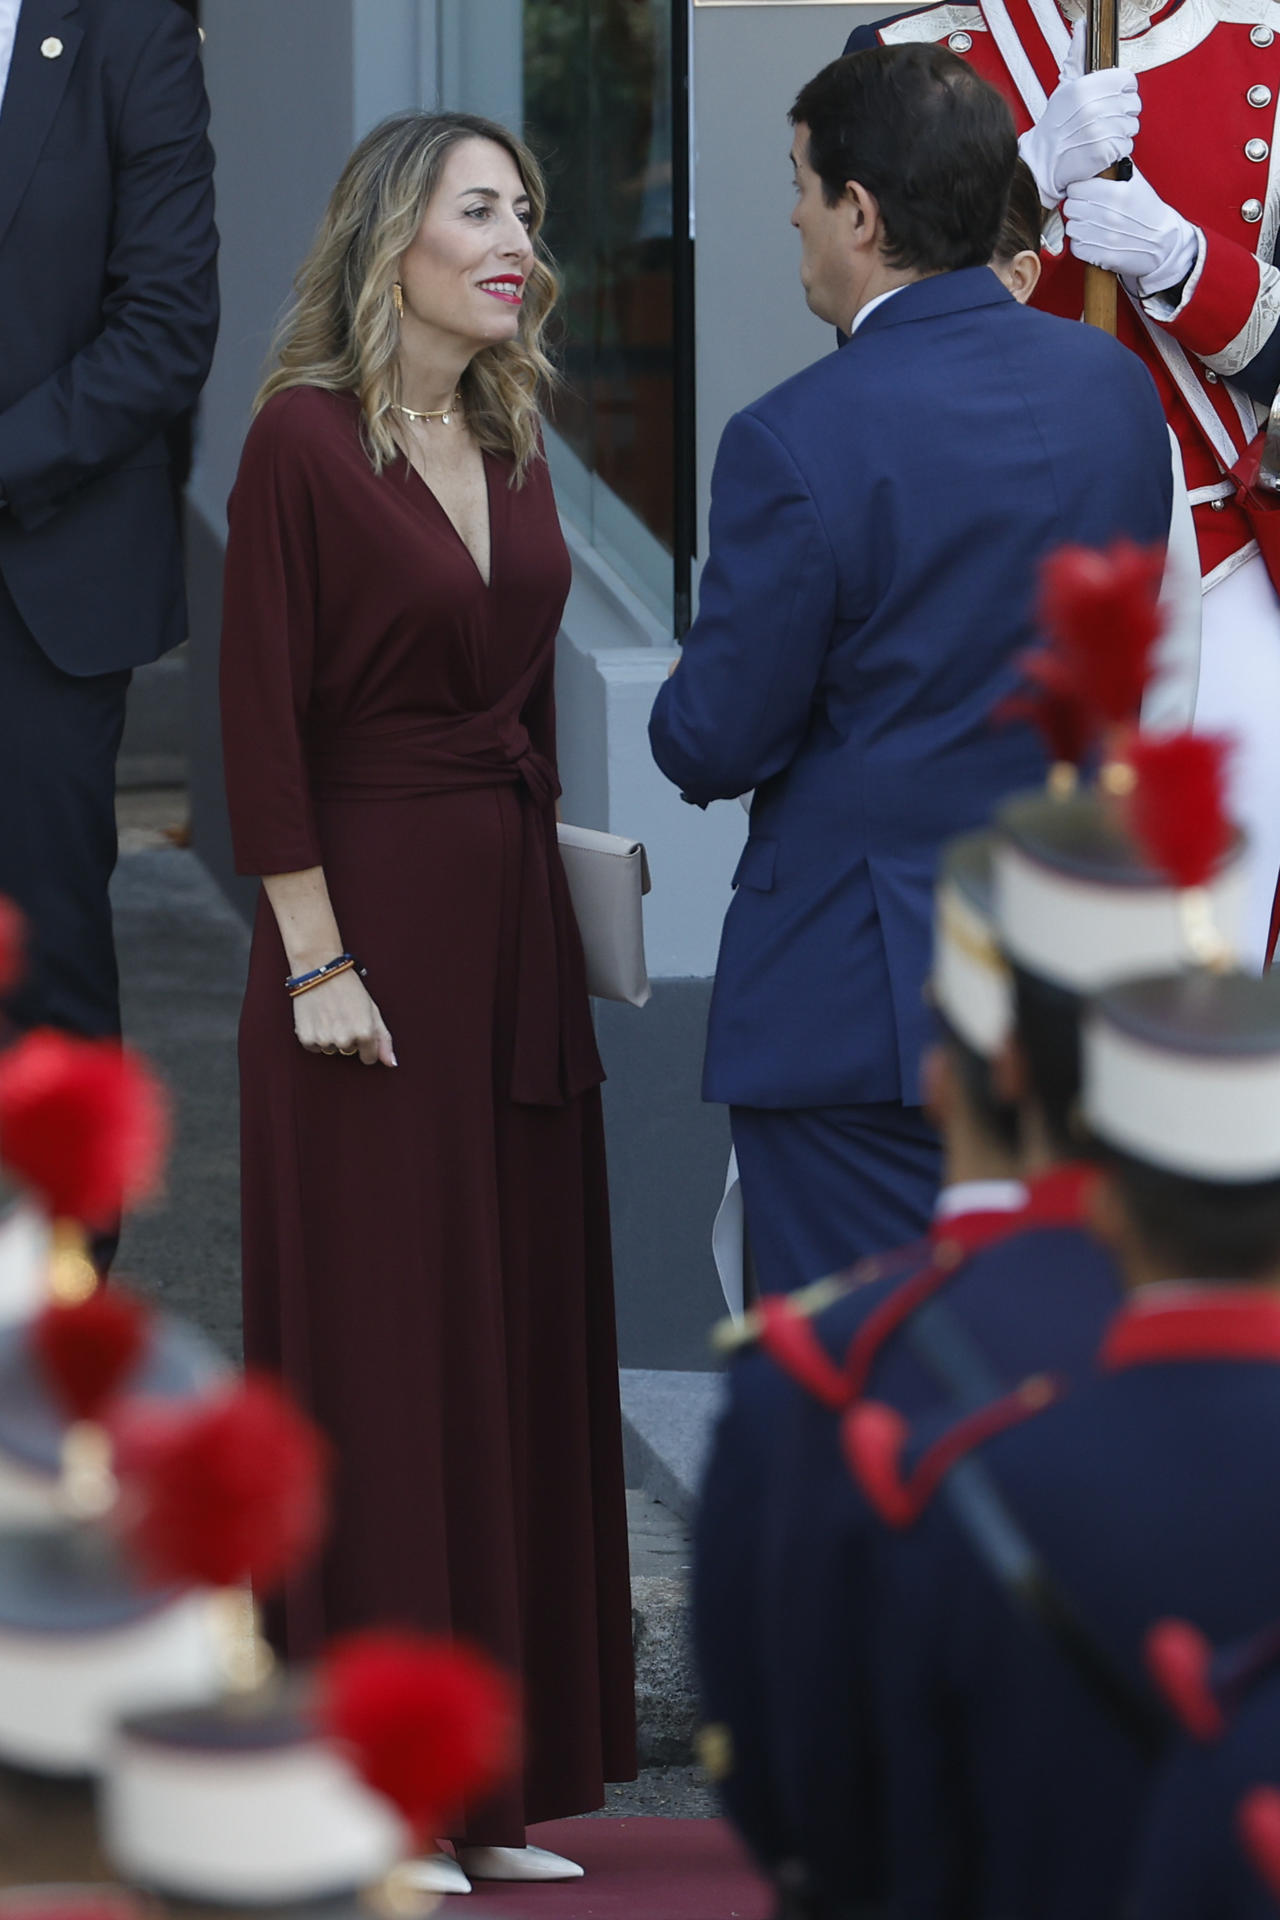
(1008, 1283)
(1010, 1614)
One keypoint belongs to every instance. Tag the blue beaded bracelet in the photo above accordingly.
(297, 981)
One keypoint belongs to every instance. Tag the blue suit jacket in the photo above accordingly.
(108, 315)
(877, 527)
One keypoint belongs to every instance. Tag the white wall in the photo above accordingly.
(754, 329)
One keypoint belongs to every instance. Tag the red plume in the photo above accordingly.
(230, 1490)
(88, 1351)
(13, 941)
(1101, 612)
(83, 1122)
(873, 1436)
(429, 1725)
(1052, 702)
(1178, 1659)
(1176, 811)
(1258, 1824)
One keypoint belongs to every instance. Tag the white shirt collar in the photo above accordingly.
(870, 307)
(9, 11)
(979, 1196)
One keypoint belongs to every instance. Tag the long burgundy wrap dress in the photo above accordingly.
(426, 1248)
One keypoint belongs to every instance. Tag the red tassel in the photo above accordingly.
(1178, 1659)
(1101, 611)
(1052, 702)
(1176, 811)
(230, 1490)
(88, 1351)
(83, 1122)
(873, 1436)
(1258, 1824)
(429, 1725)
(13, 943)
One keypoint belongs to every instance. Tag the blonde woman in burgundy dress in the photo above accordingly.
(425, 1213)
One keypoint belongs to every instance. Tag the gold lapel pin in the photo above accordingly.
(51, 47)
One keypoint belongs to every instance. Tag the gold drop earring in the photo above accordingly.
(397, 299)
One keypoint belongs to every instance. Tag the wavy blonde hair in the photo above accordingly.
(342, 330)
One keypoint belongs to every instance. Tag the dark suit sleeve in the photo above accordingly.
(738, 708)
(160, 310)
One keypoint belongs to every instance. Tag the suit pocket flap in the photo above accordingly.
(755, 869)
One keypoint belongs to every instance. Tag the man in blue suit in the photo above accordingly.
(877, 527)
(108, 314)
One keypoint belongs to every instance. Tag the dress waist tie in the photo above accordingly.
(554, 1056)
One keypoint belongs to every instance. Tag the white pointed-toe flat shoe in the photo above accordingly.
(434, 1873)
(517, 1863)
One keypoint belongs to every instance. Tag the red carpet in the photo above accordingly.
(645, 1869)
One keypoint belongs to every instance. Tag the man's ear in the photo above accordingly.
(1022, 275)
(864, 212)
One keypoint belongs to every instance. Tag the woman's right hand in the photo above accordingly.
(340, 1017)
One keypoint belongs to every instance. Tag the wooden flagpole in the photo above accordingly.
(1101, 288)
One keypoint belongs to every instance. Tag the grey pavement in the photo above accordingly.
(183, 952)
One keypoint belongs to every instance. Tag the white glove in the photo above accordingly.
(1126, 226)
(1089, 122)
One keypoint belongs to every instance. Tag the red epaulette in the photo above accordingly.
(784, 1328)
(1179, 1659)
(1258, 1827)
(874, 1437)
(1055, 1199)
(786, 1332)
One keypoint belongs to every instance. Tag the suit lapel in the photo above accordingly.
(33, 95)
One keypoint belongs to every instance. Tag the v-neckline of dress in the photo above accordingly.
(452, 524)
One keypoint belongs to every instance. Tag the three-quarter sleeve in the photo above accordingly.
(268, 645)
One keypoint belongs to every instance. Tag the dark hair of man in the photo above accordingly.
(1199, 1229)
(930, 141)
(997, 1119)
(1046, 1020)
(1020, 230)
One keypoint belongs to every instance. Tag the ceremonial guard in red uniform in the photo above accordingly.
(1193, 236)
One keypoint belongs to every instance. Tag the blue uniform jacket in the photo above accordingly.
(877, 525)
(783, 1544)
(1148, 1492)
(1193, 1860)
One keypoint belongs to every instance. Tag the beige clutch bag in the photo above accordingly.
(608, 876)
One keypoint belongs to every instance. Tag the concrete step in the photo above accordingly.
(666, 1688)
(667, 1418)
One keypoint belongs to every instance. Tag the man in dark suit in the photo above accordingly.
(108, 315)
(877, 527)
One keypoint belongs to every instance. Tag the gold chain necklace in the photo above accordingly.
(443, 414)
